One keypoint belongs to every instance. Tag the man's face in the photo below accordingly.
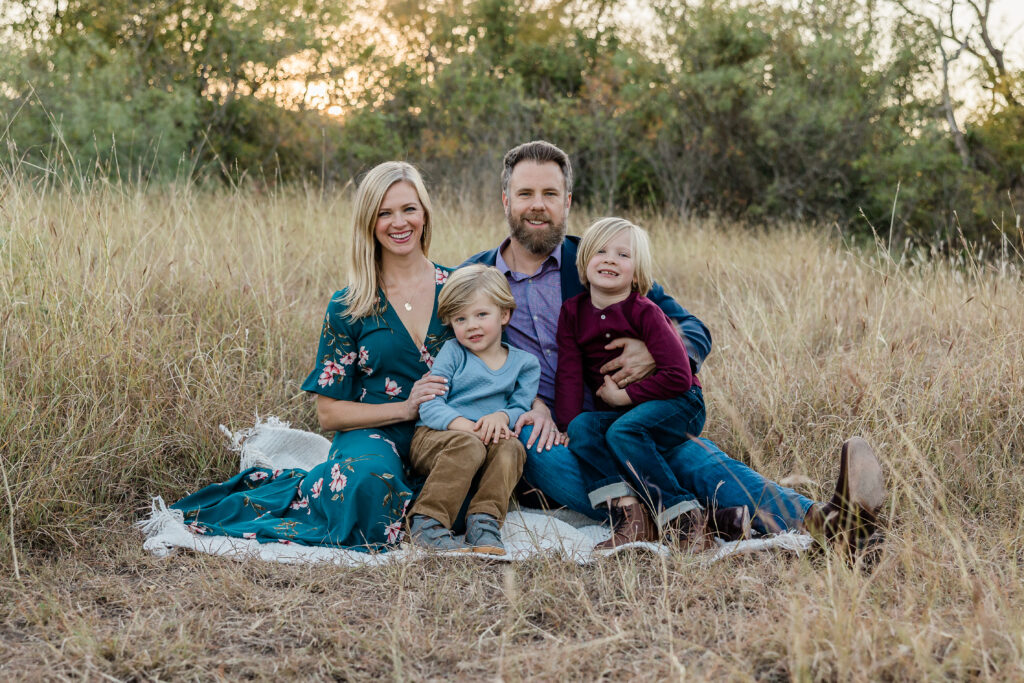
(537, 206)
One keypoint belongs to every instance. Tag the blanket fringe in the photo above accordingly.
(160, 518)
(238, 438)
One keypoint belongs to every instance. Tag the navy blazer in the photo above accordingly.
(696, 335)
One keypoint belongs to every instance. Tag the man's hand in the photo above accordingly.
(610, 393)
(492, 428)
(545, 431)
(632, 365)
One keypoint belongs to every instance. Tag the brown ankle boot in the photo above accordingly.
(689, 531)
(632, 525)
(850, 519)
(731, 524)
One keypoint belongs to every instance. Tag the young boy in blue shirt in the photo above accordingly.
(467, 430)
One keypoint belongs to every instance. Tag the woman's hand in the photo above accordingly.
(633, 364)
(492, 428)
(426, 387)
(610, 393)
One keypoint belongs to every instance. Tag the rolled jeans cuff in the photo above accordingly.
(607, 491)
(677, 510)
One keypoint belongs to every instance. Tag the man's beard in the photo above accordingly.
(538, 241)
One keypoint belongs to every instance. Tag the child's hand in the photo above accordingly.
(610, 393)
(492, 428)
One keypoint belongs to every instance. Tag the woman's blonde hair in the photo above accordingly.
(600, 233)
(464, 284)
(364, 278)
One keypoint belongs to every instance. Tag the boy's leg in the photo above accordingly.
(714, 477)
(640, 438)
(450, 460)
(501, 470)
(603, 479)
(556, 474)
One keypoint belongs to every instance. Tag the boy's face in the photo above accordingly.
(478, 325)
(610, 269)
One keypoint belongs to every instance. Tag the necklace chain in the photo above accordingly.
(408, 302)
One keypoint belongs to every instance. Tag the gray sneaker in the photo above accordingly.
(427, 532)
(483, 534)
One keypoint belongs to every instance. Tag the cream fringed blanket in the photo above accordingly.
(527, 533)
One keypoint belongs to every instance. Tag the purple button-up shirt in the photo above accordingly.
(534, 324)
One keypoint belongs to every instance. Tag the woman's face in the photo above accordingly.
(400, 220)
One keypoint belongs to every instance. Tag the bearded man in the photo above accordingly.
(538, 259)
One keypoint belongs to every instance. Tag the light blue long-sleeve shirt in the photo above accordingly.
(474, 390)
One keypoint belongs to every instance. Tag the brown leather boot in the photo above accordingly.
(850, 519)
(632, 524)
(689, 531)
(731, 524)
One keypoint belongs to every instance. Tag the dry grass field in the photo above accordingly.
(133, 322)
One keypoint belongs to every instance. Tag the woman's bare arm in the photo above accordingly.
(343, 416)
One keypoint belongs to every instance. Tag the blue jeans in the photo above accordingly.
(700, 466)
(623, 453)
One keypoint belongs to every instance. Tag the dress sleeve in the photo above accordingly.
(525, 389)
(672, 375)
(334, 374)
(436, 413)
(569, 374)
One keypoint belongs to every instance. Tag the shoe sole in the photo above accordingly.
(864, 483)
(435, 549)
(488, 550)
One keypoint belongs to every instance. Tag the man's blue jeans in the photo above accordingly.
(700, 466)
(623, 453)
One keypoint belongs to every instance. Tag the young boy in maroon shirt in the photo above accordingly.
(622, 444)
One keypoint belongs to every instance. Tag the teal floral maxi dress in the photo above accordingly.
(358, 497)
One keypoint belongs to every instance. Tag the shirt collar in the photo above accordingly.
(500, 264)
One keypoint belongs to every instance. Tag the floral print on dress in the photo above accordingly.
(338, 480)
(316, 488)
(348, 359)
(394, 530)
(391, 387)
(301, 502)
(249, 534)
(440, 275)
(257, 475)
(425, 357)
(394, 447)
(196, 528)
(331, 370)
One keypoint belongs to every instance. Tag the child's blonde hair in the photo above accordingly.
(600, 233)
(462, 287)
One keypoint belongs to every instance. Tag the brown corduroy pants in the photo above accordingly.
(451, 460)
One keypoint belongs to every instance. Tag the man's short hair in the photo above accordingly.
(541, 152)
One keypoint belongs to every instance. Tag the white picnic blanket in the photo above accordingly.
(271, 443)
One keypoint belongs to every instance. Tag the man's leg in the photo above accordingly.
(711, 475)
(556, 473)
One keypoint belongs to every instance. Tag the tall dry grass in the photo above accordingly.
(134, 321)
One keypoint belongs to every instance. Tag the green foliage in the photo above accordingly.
(816, 112)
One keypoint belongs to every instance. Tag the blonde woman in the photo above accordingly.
(379, 337)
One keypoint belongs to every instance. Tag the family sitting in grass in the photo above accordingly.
(472, 378)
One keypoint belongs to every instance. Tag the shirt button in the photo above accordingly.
(602, 316)
(547, 352)
(607, 334)
(534, 317)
